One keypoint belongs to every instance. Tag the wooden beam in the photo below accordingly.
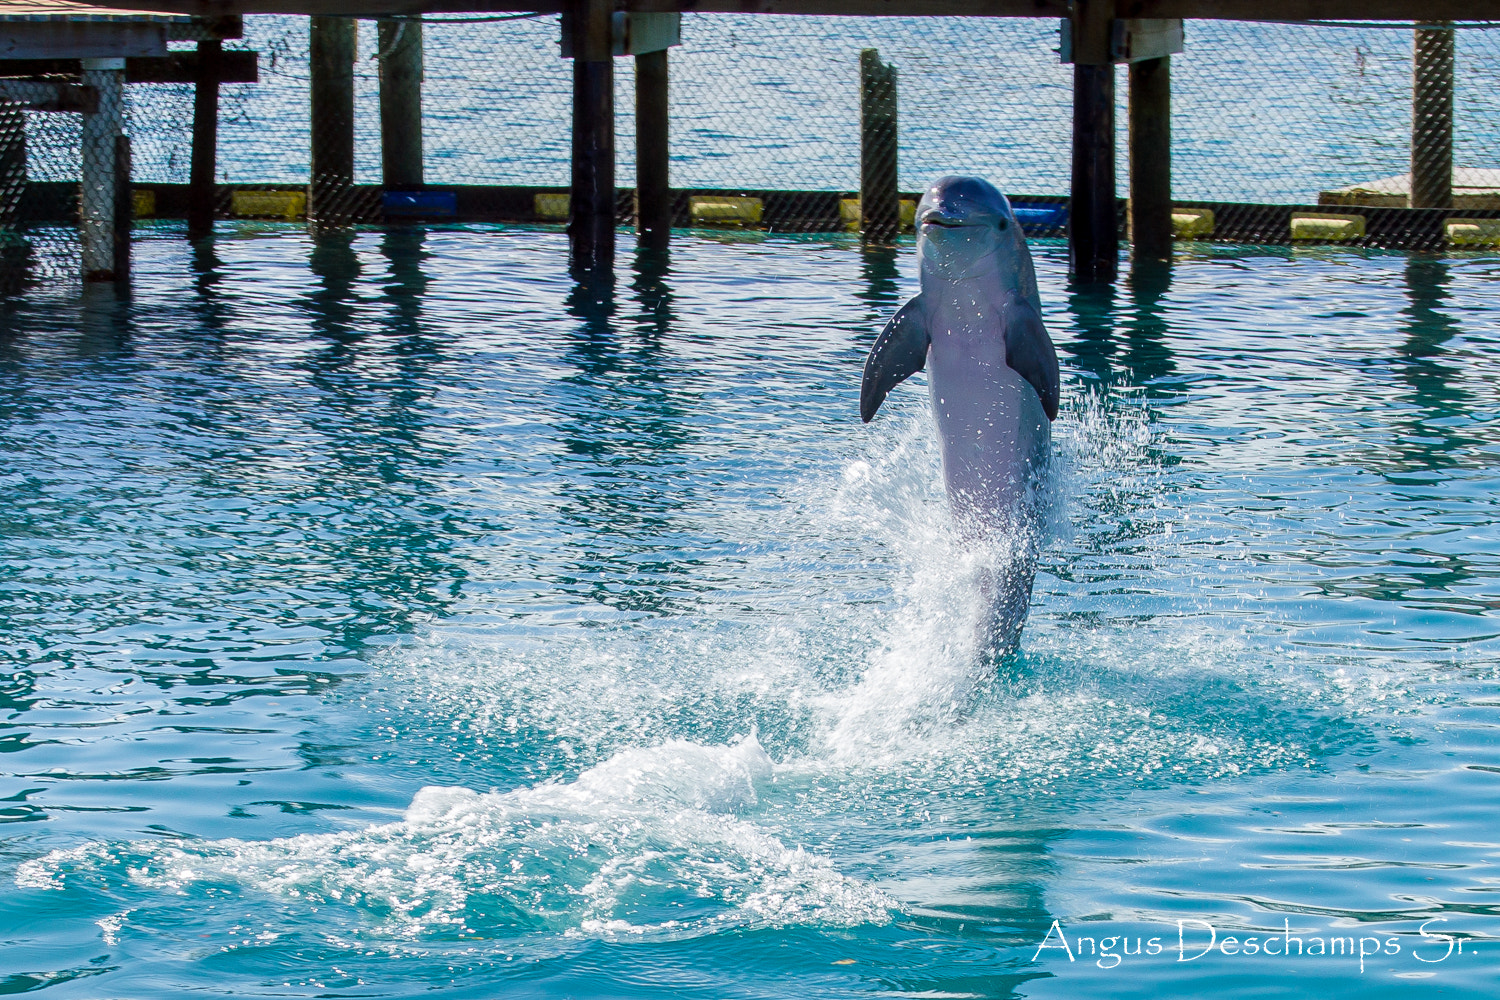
(790, 211)
(1314, 10)
(862, 8)
(235, 66)
(388, 8)
(81, 39)
(47, 95)
(179, 27)
(220, 26)
(1230, 10)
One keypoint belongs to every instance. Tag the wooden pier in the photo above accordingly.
(105, 48)
(1096, 35)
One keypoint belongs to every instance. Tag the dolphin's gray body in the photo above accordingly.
(976, 326)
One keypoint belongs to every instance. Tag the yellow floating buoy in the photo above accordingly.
(269, 204)
(1328, 227)
(1192, 223)
(1474, 232)
(849, 214)
(727, 211)
(551, 206)
(142, 203)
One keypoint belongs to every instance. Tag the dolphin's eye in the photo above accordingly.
(1002, 224)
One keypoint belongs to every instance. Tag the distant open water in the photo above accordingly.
(1261, 112)
(390, 617)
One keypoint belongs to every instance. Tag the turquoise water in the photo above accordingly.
(391, 617)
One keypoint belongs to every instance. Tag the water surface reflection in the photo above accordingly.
(310, 525)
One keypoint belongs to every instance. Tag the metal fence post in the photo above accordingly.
(1432, 116)
(330, 192)
(97, 195)
(401, 103)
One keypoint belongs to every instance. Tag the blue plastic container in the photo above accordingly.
(1041, 215)
(421, 203)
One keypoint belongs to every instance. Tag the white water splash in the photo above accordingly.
(667, 834)
(612, 853)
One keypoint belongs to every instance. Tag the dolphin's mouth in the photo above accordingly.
(943, 221)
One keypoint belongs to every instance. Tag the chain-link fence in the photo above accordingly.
(1262, 113)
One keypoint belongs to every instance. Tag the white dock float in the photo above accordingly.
(1472, 188)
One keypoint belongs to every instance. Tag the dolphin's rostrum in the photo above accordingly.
(976, 326)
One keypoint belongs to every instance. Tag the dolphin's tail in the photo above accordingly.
(1006, 592)
(1008, 535)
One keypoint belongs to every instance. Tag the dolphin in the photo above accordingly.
(976, 326)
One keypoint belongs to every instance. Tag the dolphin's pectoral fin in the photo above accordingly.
(899, 352)
(1030, 354)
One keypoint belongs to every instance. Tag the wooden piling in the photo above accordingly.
(879, 199)
(591, 205)
(330, 194)
(1151, 158)
(200, 221)
(1432, 116)
(653, 195)
(124, 211)
(99, 166)
(401, 104)
(1093, 227)
(12, 162)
